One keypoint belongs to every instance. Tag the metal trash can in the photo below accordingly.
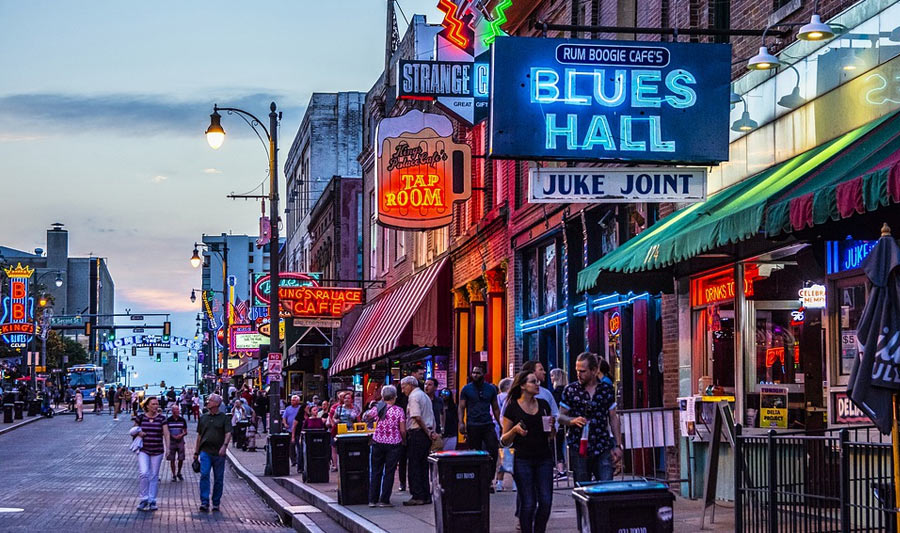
(18, 407)
(634, 505)
(353, 468)
(460, 488)
(34, 407)
(279, 450)
(316, 455)
(7, 413)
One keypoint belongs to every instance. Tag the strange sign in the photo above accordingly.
(421, 171)
(607, 100)
(17, 323)
(244, 338)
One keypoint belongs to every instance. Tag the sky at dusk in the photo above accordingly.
(103, 106)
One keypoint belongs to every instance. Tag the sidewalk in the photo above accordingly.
(400, 519)
(5, 428)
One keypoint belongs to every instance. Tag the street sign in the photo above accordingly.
(611, 185)
(66, 321)
(274, 368)
(333, 323)
(137, 330)
(137, 317)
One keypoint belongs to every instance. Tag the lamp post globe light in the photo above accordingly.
(215, 136)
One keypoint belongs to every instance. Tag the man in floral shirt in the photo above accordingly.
(591, 400)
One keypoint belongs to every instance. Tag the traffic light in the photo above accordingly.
(87, 329)
(167, 331)
(159, 358)
(175, 357)
(111, 335)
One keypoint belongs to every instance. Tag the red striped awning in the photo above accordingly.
(378, 329)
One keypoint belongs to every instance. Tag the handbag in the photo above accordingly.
(437, 444)
(195, 466)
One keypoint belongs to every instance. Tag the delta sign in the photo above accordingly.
(581, 100)
(17, 322)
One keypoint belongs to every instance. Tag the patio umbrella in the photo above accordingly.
(875, 376)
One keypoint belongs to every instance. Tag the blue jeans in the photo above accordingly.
(217, 464)
(592, 467)
(534, 479)
(382, 464)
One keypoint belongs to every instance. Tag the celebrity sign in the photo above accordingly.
(574, 185)
(421, 171)
(17, 323)
(605, 100)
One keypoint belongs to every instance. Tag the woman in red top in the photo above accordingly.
(389, 436)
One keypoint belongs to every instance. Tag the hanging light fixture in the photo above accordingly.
(195, 259)
(215, 134)
(193, 296)
(59, 280)
(816, 30)
(745, 123)
(853, 62)
(763, 60)
(793, 100)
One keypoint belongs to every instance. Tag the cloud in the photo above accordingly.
(159, 178)
(13, 138)
(211, 171)
(160, 300)
(132, 114)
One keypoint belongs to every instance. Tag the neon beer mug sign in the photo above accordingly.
(579, 100)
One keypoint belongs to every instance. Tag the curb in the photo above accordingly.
(22, 423)
(285, 511)
(346, 518)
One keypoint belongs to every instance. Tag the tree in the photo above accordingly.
(59, 346)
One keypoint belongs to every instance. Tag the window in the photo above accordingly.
(373, 237)
(250, 259)
(385, 248)
(551, 281)
(250, 247)
(399, 245)
(421, 248)
(852, 299)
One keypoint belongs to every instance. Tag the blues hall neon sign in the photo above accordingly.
(590, 100)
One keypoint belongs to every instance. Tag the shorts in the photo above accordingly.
(176, 451)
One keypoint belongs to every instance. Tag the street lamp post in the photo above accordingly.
(196, 261)
(215, 135)
(46, 312)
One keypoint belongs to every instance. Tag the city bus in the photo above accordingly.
(87, 377)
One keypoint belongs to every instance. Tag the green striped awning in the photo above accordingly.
(852, 173)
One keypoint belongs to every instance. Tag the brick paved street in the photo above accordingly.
(77, 477)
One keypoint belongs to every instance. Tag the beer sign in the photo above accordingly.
(421, 171)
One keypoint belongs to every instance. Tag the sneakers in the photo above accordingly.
(412, 502)
(402, 488)
(180, 477)
(204, 508)
(152, 507)
(215, 508)
(498, 486)
(143, 505)
(385, 504)
(373, 504)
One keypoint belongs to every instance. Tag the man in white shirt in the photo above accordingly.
(420, 433)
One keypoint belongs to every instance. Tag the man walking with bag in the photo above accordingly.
(213, 436)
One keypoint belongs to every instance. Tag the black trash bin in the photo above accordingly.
(18, 407)
(34, 407)
(7, 413)
(460, 488)
(353, 468)
(279, 449)
(634, 505)
(316, 455)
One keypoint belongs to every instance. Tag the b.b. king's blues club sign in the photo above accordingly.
(606, 100)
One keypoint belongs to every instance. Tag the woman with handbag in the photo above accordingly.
(389, 436)
(343, 412)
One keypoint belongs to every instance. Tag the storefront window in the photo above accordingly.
(551, 284)
(532, 298)
(852, 300)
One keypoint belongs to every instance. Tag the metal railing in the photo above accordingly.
(838, 481)
(651, 444)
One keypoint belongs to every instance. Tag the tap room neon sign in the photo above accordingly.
(17, 322)
(605, 100)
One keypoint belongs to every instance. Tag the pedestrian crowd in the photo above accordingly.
(534, 433)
